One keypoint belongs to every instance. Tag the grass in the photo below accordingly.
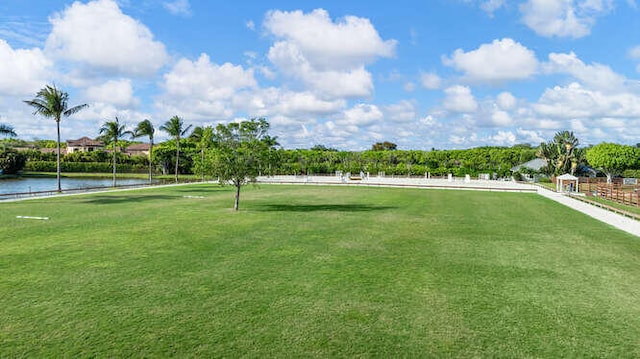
(314, 272)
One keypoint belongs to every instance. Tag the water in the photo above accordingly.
(22, 185)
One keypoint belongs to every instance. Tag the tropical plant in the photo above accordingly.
(51, 102)
(562, 154)
(145, 128)
(11, 161)
(111, 133)
(175, 127)
(240, 151)
(203, 138)
(7, 130)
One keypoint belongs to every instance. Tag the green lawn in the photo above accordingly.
(314, 272)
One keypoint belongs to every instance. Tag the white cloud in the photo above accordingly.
(506, 101)
(501, 118)
(356, 82)
(502, 60)
(430, 80)
(23, 71)
(595, 76)
(178, 7)
(115, 92)
(576, 101)
(203, 89)
(360, 115)
(98, 35)
(401, 112)
(325, 56)
(563, 18)
(491, 6)
(345, 44)
(504, 138)
(459, 99)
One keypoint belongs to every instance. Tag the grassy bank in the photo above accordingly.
(314, 271)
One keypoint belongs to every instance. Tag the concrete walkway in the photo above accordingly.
(619, 221)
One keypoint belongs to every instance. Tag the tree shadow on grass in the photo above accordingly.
(127, 199)
(217, 188)
(322, 207)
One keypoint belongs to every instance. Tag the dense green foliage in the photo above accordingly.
(86, 167)
(613, 158)
(315, 272)
(473, 161)
(11, 161)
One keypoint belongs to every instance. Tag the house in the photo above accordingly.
(138, 149)
(535, 165)
(84, 144)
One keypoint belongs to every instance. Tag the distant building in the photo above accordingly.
(138, 149)
(84, 144)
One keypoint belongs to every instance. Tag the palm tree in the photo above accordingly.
(7, 130)
(562, 153)
(145, 128)
(175, 127)
(203, 137)
(112, 132)
(52, 102)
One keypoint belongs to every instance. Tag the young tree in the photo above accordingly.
(145, 128)
(175, 127)
(111, 132)
(51, 102)
(240, 149)
(613, 158)
(7, 130)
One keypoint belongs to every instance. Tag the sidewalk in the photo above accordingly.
(621, 222)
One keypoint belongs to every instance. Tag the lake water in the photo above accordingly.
(22, 185)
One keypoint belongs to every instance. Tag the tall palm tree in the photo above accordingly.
(112, 132)
(145, 128)
(7, 130)
(203, 137)
(51, 102)
(175, 128)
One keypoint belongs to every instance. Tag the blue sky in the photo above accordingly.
(423, 74)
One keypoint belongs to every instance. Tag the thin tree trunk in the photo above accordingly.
(237, 201)
(150, 164)
(114, 165)
(202, 163)
(177, 158)
(58, 157)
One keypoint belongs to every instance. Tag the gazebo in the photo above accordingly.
(571, 181)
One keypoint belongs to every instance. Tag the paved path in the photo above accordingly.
(619, 221)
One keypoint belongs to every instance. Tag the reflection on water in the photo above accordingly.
(22, 185)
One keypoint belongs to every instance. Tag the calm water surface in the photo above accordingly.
(21, 185)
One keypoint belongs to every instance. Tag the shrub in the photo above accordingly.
(11, 161)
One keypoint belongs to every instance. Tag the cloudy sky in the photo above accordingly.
(345, 74)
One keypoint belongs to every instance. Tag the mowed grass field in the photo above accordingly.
(305, 271)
